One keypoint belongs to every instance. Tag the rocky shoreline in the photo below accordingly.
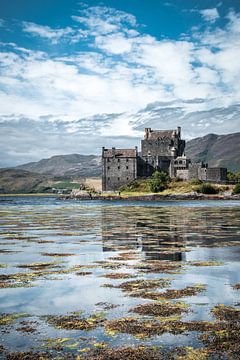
(149, 197)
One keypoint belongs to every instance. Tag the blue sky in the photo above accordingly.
(76, 76)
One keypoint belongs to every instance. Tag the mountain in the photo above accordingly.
(73, 165)
(20, 181)
(216, 150)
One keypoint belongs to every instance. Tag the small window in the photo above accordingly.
(108, 167)
(127, 178)
(118, 179)
(108, 160)
(118, 160)
(127, 160)
(126, 167)
(108, 178)
(118, 167)
(180, 161)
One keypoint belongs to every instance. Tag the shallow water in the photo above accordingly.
(38, 230)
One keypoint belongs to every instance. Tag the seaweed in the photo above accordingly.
(118, 276)
(170, 293)
(127, 353)
(57, 254)
(226, 313)
(162, 309)
(106, 305)
(40, 265)
(74, 321)
(136, 285)
(148, 328)
(10, 318)
(83, 273)
(159, 266)
(205, 263)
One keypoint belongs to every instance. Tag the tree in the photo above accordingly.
(158, 181)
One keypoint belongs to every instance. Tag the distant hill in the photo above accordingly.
(20, 181)
(62, 170)
(73, 165)
(216, 150)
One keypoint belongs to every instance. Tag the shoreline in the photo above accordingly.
(150, 197)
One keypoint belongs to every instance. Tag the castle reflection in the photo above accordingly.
(165, 233)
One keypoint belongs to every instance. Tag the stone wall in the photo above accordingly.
(118, 172)
(216, 174)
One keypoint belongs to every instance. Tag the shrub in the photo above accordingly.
(236, 189)
(158, 181)
(196, 182)
(178, 179)
(207, 188)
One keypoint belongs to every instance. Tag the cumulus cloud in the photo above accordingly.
(54, 35)
(210, 15)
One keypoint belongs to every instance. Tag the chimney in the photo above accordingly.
(136, 150)
(179, 131)
(113, 151)
(147, 132)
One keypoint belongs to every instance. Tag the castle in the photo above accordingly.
(161, 150)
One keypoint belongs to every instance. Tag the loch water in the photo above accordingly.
(61, 253)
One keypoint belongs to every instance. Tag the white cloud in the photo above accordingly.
(210, 15)
(123, 71)
(54, 35)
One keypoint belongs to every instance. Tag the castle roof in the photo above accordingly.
(122, 153)
(156, 134)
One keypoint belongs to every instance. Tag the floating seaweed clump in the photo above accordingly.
(127, 353)
(159, 266)
(28, 356)
(2, 266)
(223, 340)
(125, 256)
(106, 305)
(148, 328)
(170, 293)
(163, 309)
(7, 319)
(57, 254)
(205, 263)
(40, 265)
(109, 265)
(75, 322)
(56, 343)
(135, 285)
(83, 273)
(118, 276)
(226, 313)
(189, 353)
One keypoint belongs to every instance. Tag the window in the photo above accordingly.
(108, 167)
(118, 179)
(126, 167)
(118, 160)
(180, 161)
(108, 178)
(127, 178)
(108, 160)
(118, 167)
(126, 160)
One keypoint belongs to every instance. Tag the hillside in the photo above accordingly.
(216, 150)
(73, 165)
(20, 181)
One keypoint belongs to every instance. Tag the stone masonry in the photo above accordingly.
(161, 150)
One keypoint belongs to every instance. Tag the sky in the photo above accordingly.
(76, 76)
